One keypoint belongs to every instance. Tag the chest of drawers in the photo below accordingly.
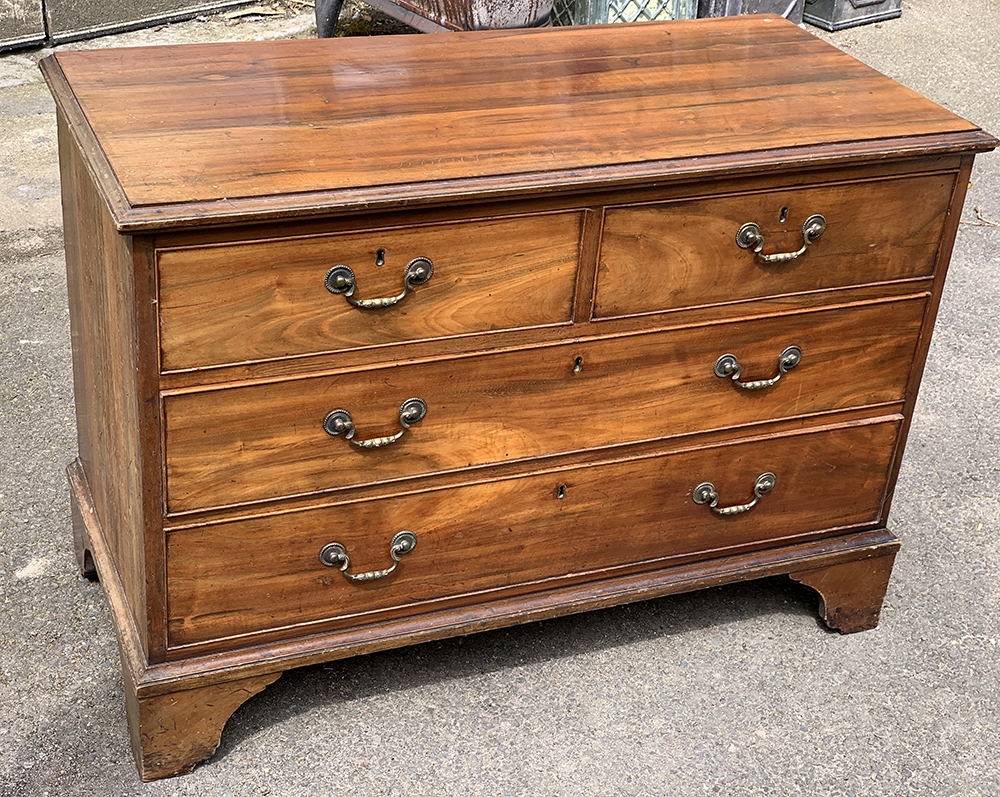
(381, 341)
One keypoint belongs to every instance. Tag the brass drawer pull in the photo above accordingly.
(728, 366)
(339, 422)
(335, 555)
(749, 235)
(705, 493)
(341, 279)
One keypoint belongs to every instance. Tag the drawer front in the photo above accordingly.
(264, 441)
(684, 254)
(484, 541)
(269, 299)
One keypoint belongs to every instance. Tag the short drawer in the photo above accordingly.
(263, 441)
(685, 254)
(268, 299)
(484, 541)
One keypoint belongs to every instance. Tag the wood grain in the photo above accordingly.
(237, 578)
(101, 293)
(175, 731)
(265, 441)
(544, 106)
(589, 182)
(851, 593)
(678, 254)
(267, 299)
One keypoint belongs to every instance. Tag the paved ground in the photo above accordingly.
(734, 691)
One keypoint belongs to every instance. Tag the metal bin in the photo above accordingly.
(839, 14)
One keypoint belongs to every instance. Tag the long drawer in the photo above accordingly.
(267, 440)
(681, 254)
(532, 532)
(266, 299)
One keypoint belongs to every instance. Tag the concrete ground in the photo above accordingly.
(732, 691)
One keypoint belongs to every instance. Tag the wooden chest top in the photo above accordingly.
(207, 134)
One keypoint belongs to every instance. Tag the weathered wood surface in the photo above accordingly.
(851, 593)
(172, 732)
(108, 384)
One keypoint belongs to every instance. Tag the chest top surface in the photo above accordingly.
(204, 133)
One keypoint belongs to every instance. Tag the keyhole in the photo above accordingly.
(380, 257)
(561, 491)
(577, 367)
(784, 215)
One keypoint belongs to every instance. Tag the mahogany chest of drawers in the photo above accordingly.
(381, 341)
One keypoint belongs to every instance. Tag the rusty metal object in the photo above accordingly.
(434, 16)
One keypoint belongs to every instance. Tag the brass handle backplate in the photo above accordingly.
(749, 236)
(729, 366)
(705, 493)
(335, 555)
(339, 422)
(341, 279)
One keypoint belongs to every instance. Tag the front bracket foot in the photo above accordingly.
(173, 732)
(851, 593)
